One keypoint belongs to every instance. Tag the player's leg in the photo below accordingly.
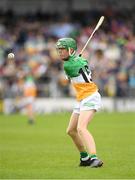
(84, 119)
(29, 101)
(72, 132)
(88, 108)
(30, 113)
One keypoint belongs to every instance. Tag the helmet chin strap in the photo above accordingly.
(69, 50)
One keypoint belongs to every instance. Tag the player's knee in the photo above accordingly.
(70, 132)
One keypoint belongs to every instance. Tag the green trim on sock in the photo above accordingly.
(84, 154)
(93, 156)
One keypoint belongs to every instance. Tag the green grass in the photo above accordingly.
(45, 151)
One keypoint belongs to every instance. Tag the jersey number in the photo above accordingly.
(85, 74)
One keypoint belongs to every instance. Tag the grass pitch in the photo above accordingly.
(44, 151)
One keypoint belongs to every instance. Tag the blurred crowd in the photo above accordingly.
(32, 38)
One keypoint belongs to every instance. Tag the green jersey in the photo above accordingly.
(76, 68)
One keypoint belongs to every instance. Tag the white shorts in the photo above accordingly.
(25, 101)
(91, 102)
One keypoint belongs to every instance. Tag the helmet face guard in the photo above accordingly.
(66, 43)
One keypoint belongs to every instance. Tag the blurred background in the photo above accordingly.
(30, 29)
